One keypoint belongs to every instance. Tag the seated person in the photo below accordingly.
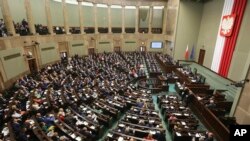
(210, 136)
(172, 118)
(211, 104)
(149, 137)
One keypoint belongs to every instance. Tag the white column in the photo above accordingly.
(65, 17)
(29, 17)
(137, 20)
(164, 20)
(48, 16)
(123, 19)
(109, 19)
(80, 17)
(95, 18)
(7, 17)
(150, 19)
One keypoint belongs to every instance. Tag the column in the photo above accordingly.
(48, 16)
(95, 19)
(29, 17)
(80, 17)
(164, 20)
(150, 19)
(137, 20)
(123, 19)
(65, 17)
(109, 19)
(7, 18)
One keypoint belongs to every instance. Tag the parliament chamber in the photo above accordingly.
(122, 70)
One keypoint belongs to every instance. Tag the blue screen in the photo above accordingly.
(156, 44)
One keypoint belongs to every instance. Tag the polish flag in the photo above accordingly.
(186, 53)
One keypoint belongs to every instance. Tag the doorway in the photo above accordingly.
(142, 48)
(64, 57)
(91, 51)
(117, 49)
(201, 56)
(32, 65)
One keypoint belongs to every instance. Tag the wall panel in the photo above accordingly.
(73, 15)
(13, 63)
(17, 10)
(88, 18)
(78, 47)
(56, 13)
(38, 11)
(116, 16)
(49, 53)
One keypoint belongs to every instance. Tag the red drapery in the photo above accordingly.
(229, 46)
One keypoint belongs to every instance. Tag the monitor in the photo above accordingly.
(156, 44)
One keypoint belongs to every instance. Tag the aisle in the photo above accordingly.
(171, 91)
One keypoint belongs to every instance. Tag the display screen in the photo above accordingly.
(156, 44)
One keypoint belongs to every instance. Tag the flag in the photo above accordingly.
(186, 53)
(192, 54)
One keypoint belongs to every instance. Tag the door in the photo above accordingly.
(201, 56)
(91, 51)
(117, 49)
(142, 49)
(64, 57)
(32, 65)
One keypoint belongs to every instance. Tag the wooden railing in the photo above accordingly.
(220, 131)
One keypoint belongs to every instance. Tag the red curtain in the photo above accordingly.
(229, 46)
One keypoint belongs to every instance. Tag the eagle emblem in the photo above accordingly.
(227, 25)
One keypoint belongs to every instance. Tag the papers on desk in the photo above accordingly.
(193, 80)
(176, 77)
(183, 123)
(73, 135)
(154, 113)
(181, 107)
(121, 125)
(152, 132)
(135, 110)
(134, 117)
(78, 138)
(186, 114)
(92, 127)
(177, 114)
(5, 131)
(178, 134)
(85, 123)
(197, 135)
(109, 135)
(80, 122)
(120, 139)
(151, 121)
(128, 116)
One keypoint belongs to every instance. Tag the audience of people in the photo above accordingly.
(76, 99)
